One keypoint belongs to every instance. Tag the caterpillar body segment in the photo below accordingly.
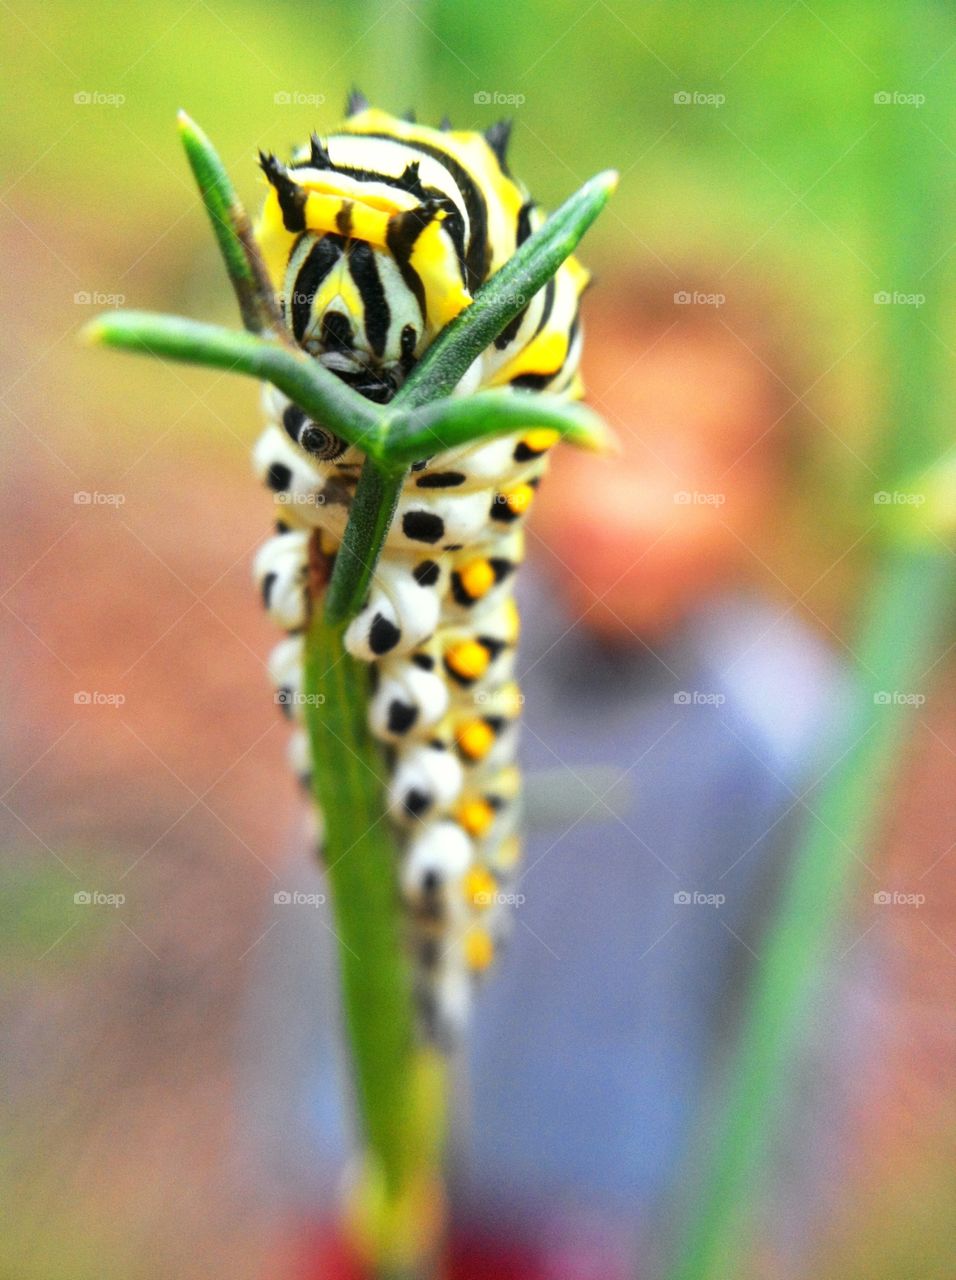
(279, 570)
(376, 236)
(403, 608)
(408, 703)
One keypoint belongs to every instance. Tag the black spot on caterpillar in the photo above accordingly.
(278, 477)
(423, 526)
(383, 635)
(441, 480)
(401, 716)
(427, 573)
(416, 803)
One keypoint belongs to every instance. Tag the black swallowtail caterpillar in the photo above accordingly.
(375, 237)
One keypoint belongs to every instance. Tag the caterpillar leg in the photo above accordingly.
(305, 495)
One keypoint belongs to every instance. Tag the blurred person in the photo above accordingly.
(651, 662)
(669, 715)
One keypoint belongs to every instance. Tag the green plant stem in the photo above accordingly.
(349, 781)
(373, 506)
(399, 1087)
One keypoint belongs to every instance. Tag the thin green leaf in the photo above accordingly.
(905, 614)
(500, 299)
(233, 232)
(376, 496)
(320, 393)
(450, 423)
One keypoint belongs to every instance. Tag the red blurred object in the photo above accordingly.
(325, 1255)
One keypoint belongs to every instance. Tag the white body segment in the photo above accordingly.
(441, 628)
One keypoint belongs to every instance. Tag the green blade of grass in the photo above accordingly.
(905, 617)
(908, 606)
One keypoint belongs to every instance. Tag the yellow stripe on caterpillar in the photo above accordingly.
(433, 257)
(479, 888)
(513, 503)
(338, 285)
(544, 355)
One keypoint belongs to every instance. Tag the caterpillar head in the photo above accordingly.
(347, 304)
(367, 272)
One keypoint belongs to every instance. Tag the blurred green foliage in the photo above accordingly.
(778, 186)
